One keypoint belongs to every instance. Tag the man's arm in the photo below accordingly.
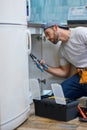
(61, 71)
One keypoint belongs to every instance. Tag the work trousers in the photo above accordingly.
(73, 89)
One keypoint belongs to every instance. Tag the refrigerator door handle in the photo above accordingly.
(28, 41)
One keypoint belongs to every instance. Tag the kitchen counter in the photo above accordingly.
(36, 25)
(35, 28)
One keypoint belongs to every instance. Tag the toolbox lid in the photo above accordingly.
(58, 93)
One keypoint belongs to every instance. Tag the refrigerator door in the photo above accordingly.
(14, 76)
(14, 11)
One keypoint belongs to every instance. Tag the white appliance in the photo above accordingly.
(15, 45)
(14, 11)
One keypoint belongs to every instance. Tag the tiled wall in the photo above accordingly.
(48, 10)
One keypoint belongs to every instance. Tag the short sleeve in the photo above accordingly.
(62, 59)
(83, 35)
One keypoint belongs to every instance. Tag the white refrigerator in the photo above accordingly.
(15, 45)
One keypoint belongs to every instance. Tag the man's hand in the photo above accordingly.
(42, 62)
(61, 71)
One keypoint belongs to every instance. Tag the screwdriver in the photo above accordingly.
(81, 112)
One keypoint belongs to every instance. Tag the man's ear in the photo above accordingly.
(55, 27)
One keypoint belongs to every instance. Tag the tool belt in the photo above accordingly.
(83, 75)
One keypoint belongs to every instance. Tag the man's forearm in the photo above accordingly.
(57, 71)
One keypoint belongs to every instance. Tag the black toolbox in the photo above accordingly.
(48, 108)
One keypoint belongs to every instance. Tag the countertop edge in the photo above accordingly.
(36, 25)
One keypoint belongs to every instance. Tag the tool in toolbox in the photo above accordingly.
(39, 65)
(83, 114)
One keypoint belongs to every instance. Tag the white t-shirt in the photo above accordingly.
(74, 51)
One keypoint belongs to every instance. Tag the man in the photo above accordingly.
(73, 50)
